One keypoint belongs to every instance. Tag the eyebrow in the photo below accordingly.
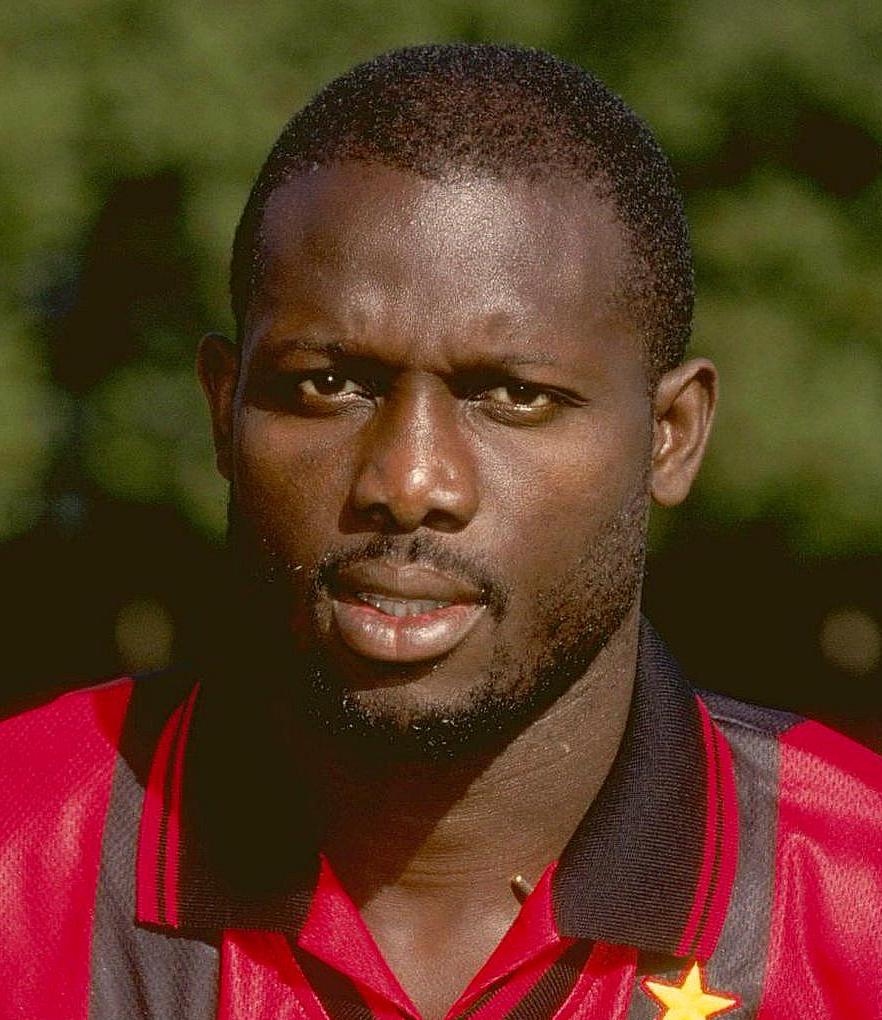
(283, 346)
(355, 351)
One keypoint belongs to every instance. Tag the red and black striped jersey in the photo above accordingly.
(730, 865)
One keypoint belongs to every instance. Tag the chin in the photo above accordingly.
(415, 717)
(392, 725)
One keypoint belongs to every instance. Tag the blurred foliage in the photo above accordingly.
(132, 130)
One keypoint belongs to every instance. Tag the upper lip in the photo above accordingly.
(405, 581)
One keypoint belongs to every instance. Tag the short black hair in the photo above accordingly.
(445, 111)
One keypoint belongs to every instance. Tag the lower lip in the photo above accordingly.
(377, 635)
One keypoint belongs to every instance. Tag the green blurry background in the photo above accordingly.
(131, 133)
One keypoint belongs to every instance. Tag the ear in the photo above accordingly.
(217, 363)
(685, 400)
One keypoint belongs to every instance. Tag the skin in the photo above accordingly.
(490, 400)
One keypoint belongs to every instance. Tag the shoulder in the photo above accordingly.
(823, 772)
(57, 764)
(810, 821)
(49, 752)
(57, 761)
(60, 765)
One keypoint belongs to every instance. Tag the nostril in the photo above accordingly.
(391, 502)
(381, 517)
(444, 522)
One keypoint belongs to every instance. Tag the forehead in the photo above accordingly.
(361, 242)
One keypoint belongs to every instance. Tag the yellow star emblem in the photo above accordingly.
(688, 1000)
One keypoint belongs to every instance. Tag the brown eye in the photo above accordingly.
(327, 384)
(519, 395)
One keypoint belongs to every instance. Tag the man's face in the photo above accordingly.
(440, 443)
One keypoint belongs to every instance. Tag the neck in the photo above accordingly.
(456, 832)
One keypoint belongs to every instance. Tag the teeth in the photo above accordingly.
(401, 607)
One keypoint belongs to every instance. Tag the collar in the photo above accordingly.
(653, 861)
(651, 865)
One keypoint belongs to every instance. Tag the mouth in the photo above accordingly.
(403, 613)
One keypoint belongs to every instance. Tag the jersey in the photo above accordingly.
(731, 865)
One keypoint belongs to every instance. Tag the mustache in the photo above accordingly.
(261, 561)
(424, 550)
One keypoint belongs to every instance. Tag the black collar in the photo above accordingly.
(652, 861)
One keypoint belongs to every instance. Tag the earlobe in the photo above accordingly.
(217, 364)
(685, 400)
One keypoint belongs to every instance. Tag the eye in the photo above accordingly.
(520, 395)
(328, 384)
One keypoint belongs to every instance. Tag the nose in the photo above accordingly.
(416, 468)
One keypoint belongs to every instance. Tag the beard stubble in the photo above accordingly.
(574, 620)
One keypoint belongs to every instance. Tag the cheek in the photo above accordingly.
(292, 486)
(557, 494)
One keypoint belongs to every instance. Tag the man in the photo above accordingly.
(435, 764)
